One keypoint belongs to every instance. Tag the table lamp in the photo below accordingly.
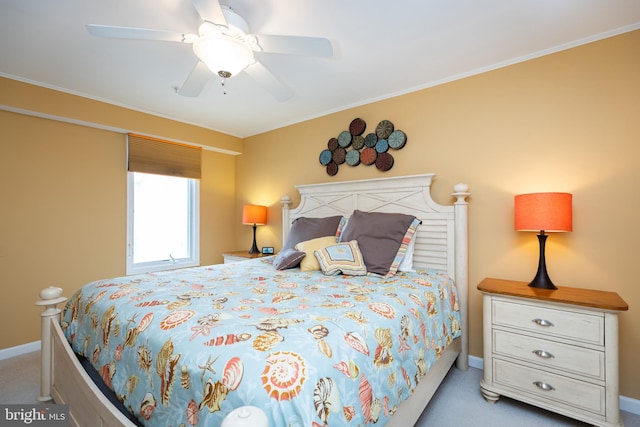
(254, 215)
(543, 212)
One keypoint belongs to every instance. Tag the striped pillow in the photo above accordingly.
(404, 246)
(344, 258)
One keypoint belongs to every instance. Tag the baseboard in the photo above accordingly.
(19, 350)
(627, 404)
(476, 362)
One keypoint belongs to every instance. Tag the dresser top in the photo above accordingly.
(584, 297)
(245, 254)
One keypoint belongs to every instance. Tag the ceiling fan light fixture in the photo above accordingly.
(222, 54)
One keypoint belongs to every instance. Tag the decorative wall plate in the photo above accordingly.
(384, 129)
(382, 146)
(384, 161)
(370, 140)
(338, 155)
(325, 157)
(353, 157)
(344, 139)
(368, 156)
(397, 139)
(357, 127)
(358, 142)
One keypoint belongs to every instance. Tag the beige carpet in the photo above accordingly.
(470, 408)
(20, 379)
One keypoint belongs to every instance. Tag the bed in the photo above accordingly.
(307, 347)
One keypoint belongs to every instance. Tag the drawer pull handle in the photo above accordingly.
(542, 322)
(543, 386)
(543, 354)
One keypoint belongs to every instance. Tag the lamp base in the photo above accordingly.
(254, 249)
(542, 280)
(542, 283)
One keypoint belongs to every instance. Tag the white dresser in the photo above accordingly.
(556, 349)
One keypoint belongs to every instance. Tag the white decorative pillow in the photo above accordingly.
(407, 262)
(344, 258)
(309, 262)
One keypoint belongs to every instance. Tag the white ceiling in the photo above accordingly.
(381, 49)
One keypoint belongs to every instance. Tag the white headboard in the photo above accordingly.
(441, 241)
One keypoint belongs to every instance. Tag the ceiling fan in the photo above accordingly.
(225, 47)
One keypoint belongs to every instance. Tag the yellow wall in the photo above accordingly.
(63, 204)
(34, 100)
(565, 122)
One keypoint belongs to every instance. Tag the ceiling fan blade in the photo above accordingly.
(137, 33)
(295, 45)
(267, 80)
(196, 81)
(211, 11)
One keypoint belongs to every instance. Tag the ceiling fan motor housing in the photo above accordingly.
(224, 49)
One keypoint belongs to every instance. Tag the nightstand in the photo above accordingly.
(556, 349)
(236, 256)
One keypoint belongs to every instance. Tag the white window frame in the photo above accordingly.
(194, 234)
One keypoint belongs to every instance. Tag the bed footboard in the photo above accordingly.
(50, 298)
(63, 379)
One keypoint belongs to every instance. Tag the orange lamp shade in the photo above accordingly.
(254, 214)
(543, 212)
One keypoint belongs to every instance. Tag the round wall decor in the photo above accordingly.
(368, 156)
(344, 139)
(384, 129)
(382, 146)
(370, 140)
(397, 139)
(339, 155)
(351, 147)
(358, 142)
(384, 161)
(353, 157)
(325, 157)
(357, 127)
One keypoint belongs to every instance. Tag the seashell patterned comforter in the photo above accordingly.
(184, 348)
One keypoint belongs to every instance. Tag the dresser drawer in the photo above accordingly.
(561, 390)
(581, 327)
(550, 354)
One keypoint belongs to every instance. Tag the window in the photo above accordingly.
(163, 226)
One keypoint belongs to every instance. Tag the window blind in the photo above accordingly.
(151, 155)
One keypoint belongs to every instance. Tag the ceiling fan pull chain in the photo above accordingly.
(223, 75)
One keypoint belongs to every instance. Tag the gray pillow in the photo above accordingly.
(382, 238)
(288, 258)
(304, 229)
